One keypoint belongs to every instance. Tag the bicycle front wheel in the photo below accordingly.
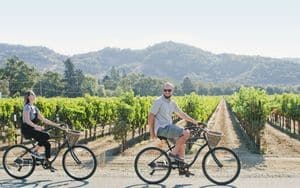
(152, 165)
(221, 165)
(18, 162)
(79, 162)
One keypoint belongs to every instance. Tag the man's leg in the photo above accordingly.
(180, 143)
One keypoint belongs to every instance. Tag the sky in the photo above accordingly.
(253, 27)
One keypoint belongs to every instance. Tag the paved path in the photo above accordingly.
(48, 180)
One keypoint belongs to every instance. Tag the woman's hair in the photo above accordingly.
(27, 94)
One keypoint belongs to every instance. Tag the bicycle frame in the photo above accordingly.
(66, 142)
(203, 137)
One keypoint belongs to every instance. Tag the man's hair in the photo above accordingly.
(168, 84)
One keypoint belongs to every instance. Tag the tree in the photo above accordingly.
(90, 86)
(148, 86)
(50, 85)
(4, 90)
(187, 86)
(19, 75)
(73, 80)
(111, 81)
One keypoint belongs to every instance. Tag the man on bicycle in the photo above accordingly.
(160, 122)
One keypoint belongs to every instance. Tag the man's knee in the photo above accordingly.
(186, 133)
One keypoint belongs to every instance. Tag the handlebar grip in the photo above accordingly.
(48, 129)
(202, 123)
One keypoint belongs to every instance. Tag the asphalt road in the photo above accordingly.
(46, 179)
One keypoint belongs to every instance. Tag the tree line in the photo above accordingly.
(17, 77)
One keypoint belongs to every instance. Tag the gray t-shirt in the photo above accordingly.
(33, 111)
(163, 109)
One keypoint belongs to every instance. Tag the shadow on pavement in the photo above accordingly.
(8, 183)
(182, 185)
(225, 186)
(146, 186)
(20, 183)
(67, 183)
(176, 186)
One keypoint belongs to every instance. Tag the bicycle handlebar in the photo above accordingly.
(67, 127)
(200, 125)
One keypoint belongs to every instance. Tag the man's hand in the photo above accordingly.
(194, 122)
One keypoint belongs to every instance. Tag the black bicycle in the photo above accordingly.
(78, 161)
(220, 164)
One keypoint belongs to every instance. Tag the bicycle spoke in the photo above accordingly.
(18, 162)
(152, 165)
(221, 165)
(79, 162)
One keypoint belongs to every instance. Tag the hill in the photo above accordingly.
(168, 60)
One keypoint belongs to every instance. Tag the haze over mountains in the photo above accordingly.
(166, 60)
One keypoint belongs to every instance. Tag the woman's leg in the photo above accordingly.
(42, 139)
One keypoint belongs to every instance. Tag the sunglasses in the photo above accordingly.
(167, 90)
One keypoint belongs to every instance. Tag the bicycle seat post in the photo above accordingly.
(33, 142)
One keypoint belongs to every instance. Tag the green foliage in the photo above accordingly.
(198, 107)
(50, 85)
(187, 86)
(125, 116)
(252, 107)
(20, 76)
(73, 80)
(287, 105)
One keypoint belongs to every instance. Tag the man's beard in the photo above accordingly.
(167, 97)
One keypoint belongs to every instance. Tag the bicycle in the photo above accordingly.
(78, 161)
(153, 165)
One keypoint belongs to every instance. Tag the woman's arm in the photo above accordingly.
(27, 120)
(47, 121)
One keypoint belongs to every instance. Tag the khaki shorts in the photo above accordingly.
(170, 131)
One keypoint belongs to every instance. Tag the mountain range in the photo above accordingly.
(169, 60)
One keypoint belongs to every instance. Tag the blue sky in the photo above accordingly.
(253, 27)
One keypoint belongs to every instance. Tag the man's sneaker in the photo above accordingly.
(176, 157)
(185, 172)
(49, 166)
(36, 155)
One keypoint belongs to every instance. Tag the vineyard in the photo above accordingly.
(125, 117)
(253, 108)
(122, 117)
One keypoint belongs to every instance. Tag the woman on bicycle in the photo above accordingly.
(30, 129)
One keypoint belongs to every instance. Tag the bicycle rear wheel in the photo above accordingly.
(79, 162)
(152, 165)
(18, 162)
(221, 165)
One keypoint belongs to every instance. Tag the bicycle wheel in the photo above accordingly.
(79, 162)
(18, 162)
(221, 165)
(152, 165)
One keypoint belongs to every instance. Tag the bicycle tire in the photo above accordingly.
(222, 159)
(5, 161)
(93, 162)
(165, 164)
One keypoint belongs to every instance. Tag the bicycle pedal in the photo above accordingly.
(52, 169)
